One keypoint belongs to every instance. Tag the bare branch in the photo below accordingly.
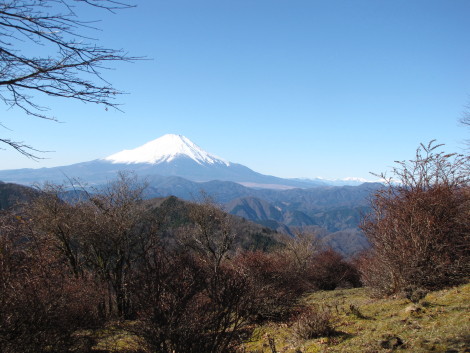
(22, 148)
(419, 227)
(71, 65)
(465, 121)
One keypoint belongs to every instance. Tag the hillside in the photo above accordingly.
(172, 165)
(361, 324)
(12, 194)
(177, 275)
(440, 323)
(172, 214)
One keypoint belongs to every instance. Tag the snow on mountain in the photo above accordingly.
(165, 149)
(350, 181)
(168, 156)
(355, 181)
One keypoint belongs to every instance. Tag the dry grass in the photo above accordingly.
(440, 323)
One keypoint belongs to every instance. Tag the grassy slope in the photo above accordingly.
(442, 324)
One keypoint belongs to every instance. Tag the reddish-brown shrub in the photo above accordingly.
(419, 228)
(329, 270)
(186, 307)
(41, 302)
(275, 283)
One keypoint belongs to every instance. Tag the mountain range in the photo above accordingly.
(169, 155)
(172, 165)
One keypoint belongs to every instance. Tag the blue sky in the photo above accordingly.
(288, 88)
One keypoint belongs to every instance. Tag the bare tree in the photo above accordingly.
(302, 249)
(59, 223)
(466, 119)
(104, 233)
(212, 233)
(69, 64)
(115, 235)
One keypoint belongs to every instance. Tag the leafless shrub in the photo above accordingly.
(41, 302)
(414, 294)
(185, 307)
(211, 233)
(329, 270)
(374, 274)
(420, 226)
(301, 250)
(274, 282)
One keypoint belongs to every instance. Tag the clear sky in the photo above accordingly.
(292, 88)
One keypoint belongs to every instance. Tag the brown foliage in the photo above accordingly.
(41, 302)
(67, 266)
(274, 281)
(420, 228)
(102, 235)
(329, 270)
(186, 307)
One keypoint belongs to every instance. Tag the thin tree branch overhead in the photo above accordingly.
(69, 65)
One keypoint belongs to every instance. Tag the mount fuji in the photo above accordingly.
(166, 149)
(169, 155)
(174, 166)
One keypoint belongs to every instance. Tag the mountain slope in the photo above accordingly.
(172, 213)
(173, 165)
(169, 155)
(333, 213)
(13, 194)
(165, 149)
(364, 324)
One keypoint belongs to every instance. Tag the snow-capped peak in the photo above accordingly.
(165, 149)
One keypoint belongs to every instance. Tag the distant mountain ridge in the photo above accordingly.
(169, 155)
(174, 166)
(332, 213)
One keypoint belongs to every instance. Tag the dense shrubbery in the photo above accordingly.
(68, 267)
(329, 270)
(420, 225)
(42, 303)
(183, 306)
(274, 284)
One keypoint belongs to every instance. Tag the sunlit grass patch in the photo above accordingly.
(441, 323)
(117, 337)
